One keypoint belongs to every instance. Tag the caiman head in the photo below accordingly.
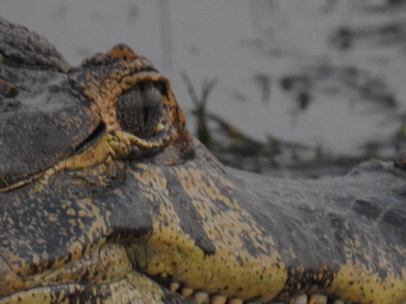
(106, 198)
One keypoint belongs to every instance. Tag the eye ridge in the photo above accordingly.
(140, 109)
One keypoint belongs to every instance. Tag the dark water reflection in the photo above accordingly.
(302, 85)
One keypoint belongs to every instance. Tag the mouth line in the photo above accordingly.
(122, 270)
(202, 297)
(199, 296)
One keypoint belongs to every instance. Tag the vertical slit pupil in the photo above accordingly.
(146, 111)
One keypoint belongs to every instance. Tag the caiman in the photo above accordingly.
(106, 198)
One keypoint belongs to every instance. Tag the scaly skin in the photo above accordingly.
(126, 219)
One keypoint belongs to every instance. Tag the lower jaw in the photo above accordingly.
(134, 288)
(202, 297)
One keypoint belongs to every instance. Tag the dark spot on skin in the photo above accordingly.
(395, 218)
(187, 154)
(367, 208)
(69, 257)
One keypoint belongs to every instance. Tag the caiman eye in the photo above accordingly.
(139, 110)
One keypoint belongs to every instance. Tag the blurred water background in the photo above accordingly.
(288, 87)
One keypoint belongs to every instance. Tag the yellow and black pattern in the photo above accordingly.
(101, 206)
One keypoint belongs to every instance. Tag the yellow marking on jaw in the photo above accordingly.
(168, 250)
(353, 284)
(231, 271)
(261, 275)
(357, 282)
